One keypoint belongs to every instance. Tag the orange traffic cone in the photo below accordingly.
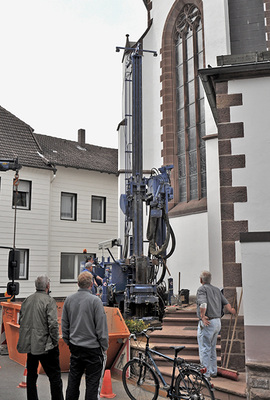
(106, 390)
(23, 383)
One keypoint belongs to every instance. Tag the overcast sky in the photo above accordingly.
(59, 71)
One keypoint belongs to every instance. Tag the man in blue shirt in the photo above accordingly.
(97, 280)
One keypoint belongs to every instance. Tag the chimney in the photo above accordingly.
(81, 137)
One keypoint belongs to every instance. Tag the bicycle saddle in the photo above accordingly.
(177, 349)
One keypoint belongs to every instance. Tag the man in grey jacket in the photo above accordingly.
(38, 337)
(84, 329)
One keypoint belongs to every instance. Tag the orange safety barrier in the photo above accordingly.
(118, 333)
(10, 316)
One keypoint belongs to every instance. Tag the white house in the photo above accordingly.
(205, 110)
(67, 201)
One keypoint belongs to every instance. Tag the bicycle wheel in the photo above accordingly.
(191, 384)
(140, 381)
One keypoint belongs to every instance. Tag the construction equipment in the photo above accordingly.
(9, 164)
(135, 282)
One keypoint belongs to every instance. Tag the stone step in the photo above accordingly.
(181, 314)
(224, 389)
(190, 349)
(180, 328)
(177, 335)
(174, 339)
(168, 321)
(162, 362)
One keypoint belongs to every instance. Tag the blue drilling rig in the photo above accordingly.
(135, 282)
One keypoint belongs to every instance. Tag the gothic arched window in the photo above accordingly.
(182, 94)
(190, 105)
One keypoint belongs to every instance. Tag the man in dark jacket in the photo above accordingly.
(38, 337)
(84, 329)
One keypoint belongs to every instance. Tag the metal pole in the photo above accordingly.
(137, 154)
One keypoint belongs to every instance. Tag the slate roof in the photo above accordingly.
(68, 153)
(18, 139)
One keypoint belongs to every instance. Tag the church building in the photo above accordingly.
(205, 108)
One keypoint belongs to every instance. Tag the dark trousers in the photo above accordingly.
(88, 361)
(51, 366)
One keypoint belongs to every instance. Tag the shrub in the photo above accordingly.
(136, 325)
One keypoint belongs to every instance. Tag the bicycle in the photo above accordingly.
(141, 376)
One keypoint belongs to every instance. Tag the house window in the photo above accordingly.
(68, 206)
(71, 266)
(98, 209)
(22, 195)
(24, 263)
(189, 58)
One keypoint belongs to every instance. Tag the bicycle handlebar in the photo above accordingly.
(151, 328)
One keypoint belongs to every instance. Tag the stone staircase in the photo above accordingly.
(180, 329)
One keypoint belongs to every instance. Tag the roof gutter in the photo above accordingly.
(210, 76)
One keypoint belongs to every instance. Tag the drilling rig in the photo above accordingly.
(135, 282)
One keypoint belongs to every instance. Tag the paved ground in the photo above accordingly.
(12, 374)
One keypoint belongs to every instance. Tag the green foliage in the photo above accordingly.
(136, 325)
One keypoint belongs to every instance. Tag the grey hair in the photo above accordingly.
(42, 282)
(206, 277)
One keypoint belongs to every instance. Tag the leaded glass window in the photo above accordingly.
(190, 105)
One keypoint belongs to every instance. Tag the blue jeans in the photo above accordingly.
(207, 340)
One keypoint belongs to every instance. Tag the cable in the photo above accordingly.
(164, 269)
(173, 244)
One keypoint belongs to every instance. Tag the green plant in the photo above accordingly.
(136, 325)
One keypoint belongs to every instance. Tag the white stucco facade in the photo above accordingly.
(32, 227)
(256, 275)
(256, 146)
(44, 234)
(254, 253)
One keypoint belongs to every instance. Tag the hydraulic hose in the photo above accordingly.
(152, 233)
